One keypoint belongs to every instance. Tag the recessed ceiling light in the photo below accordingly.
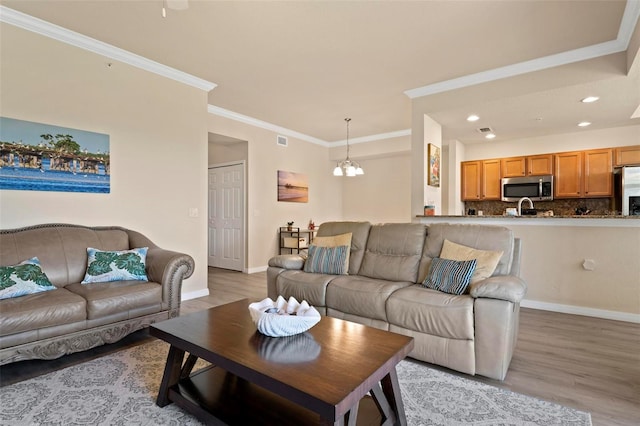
(473, 118)
(584, 124)
(589, 99)
(490, 136)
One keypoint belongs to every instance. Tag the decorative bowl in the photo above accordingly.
(283, 318)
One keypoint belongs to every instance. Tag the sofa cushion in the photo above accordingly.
(41, 310)
(362, 296)
(482, 237)
(393, 252)
(335, 241)
(117, 296)
(432, 312)
(22, 279)
(450, 276)
(487, 260)
(359, 235)
(304, 286)
(327, 260)
(121, 265)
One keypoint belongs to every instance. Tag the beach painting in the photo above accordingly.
(434, 165)
(293, 187)
(44, 157)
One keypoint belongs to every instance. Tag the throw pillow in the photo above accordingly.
(450, 276)
(487, 259)
(25, 278)
(106, 266)
(327, 260)
(336, 241)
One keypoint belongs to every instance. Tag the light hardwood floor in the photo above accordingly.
(587, 363)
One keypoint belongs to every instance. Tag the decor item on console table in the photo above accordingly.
(107, 283)
(386, 285)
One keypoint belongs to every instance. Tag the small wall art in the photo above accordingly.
(433, 173)
(43, 157)
(293, 187)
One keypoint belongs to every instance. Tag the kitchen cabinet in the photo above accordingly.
(538, 165)
(583, 174)
(598, 173)
(481, 180)
(627, 156)
(533, 165)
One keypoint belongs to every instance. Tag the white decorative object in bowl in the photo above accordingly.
(282, 318)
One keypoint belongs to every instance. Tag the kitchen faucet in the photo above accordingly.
(520, 204)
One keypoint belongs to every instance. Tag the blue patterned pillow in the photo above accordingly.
(327, 260)
(22, 279)
(450, 276)
(106, 266)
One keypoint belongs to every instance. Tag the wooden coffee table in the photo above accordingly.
(322, 376)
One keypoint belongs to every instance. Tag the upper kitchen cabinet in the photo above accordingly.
(598, 173)
(481, 180)
(534, 165)
(583, 174)
(627, 156)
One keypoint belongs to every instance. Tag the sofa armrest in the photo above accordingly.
(169, 268)
(503, 287)
(166, 267)
(287, 261)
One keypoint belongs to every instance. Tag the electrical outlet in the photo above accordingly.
(193, 212)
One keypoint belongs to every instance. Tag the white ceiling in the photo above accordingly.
(306, 65)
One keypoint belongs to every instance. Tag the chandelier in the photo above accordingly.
(347, 166)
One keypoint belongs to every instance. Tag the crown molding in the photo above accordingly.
(222, 112)
(47, 29)
(620, 44)
(373, 138)
(216, 110)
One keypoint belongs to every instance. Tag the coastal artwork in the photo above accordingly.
(293, 187)
(43, 157)
(434, 165)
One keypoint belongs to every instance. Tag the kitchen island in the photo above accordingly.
(586, 265)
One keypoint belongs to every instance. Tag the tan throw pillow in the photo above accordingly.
(335, 241)
(487, 259)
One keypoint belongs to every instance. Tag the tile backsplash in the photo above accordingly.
(565, 207)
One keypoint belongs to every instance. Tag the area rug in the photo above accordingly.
(121, 388)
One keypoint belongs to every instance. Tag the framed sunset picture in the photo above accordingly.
(293, 187)
(433, 174)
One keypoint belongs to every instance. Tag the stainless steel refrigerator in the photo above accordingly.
(626, 181)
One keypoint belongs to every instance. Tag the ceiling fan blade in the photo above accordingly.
(178, 4)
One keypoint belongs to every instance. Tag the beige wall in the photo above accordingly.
(158, 143)
(382, 194)
(552, 258)
(227, 153)
(264, 213)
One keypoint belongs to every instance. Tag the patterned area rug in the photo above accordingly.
(120, 389)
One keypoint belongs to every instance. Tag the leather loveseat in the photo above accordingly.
(474, 333)
(74, 317)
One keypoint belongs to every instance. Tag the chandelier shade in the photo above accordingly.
(348, 167)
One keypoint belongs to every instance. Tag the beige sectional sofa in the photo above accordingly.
(474, 332)
(74, 317)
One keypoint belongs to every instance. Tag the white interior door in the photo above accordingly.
(226, 217)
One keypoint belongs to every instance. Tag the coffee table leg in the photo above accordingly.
(391, 389)
(171, 375)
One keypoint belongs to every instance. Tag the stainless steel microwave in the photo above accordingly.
(537, 188)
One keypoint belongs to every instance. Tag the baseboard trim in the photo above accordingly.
(255, 270)
(195, 294)
(581, 310)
